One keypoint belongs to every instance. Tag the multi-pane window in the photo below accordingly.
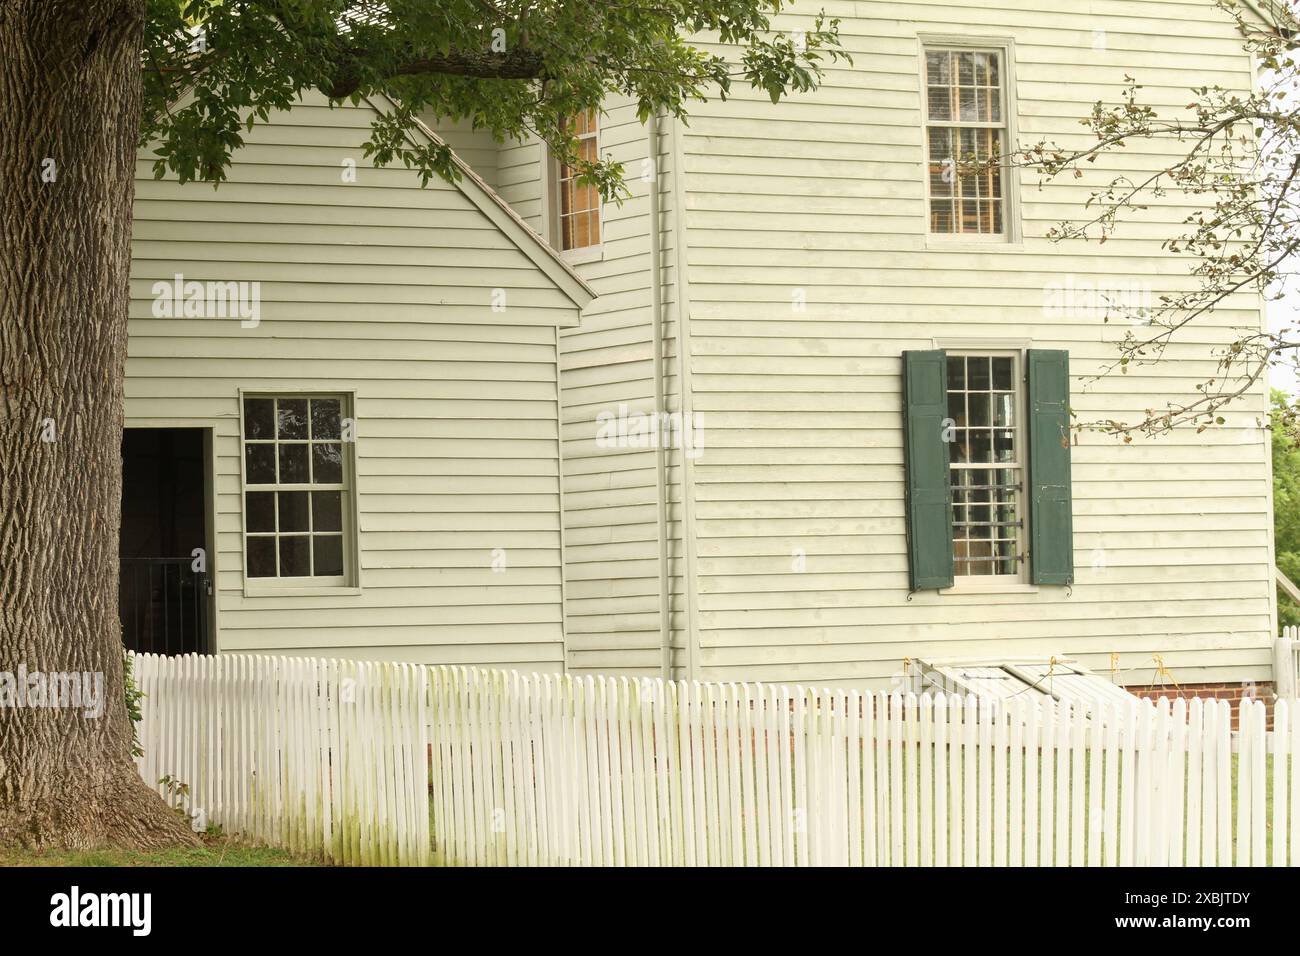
(986, 467)
(579, 212)
(295, 487)
(966, 137)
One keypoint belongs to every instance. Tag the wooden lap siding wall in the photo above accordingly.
(383, 290)
(808, 272)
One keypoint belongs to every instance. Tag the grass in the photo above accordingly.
(215, 851)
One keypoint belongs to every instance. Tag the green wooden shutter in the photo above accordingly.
(929, 497)
(1051, 526)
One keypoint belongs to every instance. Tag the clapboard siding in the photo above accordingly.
(611, 494)
(824, 193)
(385, 289)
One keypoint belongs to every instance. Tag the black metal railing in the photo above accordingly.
(163, 604)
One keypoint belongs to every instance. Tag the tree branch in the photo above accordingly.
(518, 64)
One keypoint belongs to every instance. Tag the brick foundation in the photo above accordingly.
(1234, 693)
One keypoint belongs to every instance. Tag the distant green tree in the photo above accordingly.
(1286, 499)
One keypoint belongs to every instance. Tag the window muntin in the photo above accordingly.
(295, 488)
(966, 127)
(986, 471)
(579, 204)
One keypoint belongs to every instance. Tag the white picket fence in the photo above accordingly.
(1286, 663)
(319, 756)
(581, 771)
(562, 770)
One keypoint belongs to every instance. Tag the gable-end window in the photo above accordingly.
(987, 467)
(296, 489)
(578, 205)
(966, 134)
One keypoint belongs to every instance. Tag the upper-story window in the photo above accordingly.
(578, 212)
(966, 134)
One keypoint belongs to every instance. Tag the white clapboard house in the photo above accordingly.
(797, 410)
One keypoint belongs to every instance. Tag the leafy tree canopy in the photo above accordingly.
(1286, 499)
(513, 67)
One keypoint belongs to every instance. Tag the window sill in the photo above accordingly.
(990, 587)
(577, 257)
(323, 590)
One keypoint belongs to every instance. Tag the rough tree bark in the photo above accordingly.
(69, 117)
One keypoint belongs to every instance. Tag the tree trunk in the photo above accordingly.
(69, 116)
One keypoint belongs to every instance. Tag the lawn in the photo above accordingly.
(216, 851)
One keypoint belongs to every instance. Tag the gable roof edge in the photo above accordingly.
(486, 199)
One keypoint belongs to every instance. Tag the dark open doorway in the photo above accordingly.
(164, 588)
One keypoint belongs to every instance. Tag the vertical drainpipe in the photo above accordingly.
(661, 463)
(686, 402)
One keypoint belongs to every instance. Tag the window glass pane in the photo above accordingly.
(329, 554)
(260, 510)
(1004, 409)
(1002, 372)
(956, 371)
(259, 464)
(326, 418)
(980, 445)
(967, 101)
(259, 418)
(327, 511)
(966, 69)
(291, 418)
(977, 409)
(327, 463)
(940, 144)
(977, 368)
(293, 511)
(957, 407)
(939, 103)
(293, 464)
(940, 181)
(295, 556)
(941, 216)
(261, 557)
(1003, 445)
(937, 67)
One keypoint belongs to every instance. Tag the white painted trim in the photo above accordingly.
(537, 249)
(351, 580)
(998, 583)
(559, 474)
(654, 203)
(1012, 238)
(682, 298)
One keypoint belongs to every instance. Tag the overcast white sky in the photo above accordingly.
(1285, 314)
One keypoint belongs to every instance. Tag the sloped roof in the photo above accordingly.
(537, 249)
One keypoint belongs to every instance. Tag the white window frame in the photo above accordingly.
(551, 194)
(349, 581)
(1011, 235)
(1020, 580)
